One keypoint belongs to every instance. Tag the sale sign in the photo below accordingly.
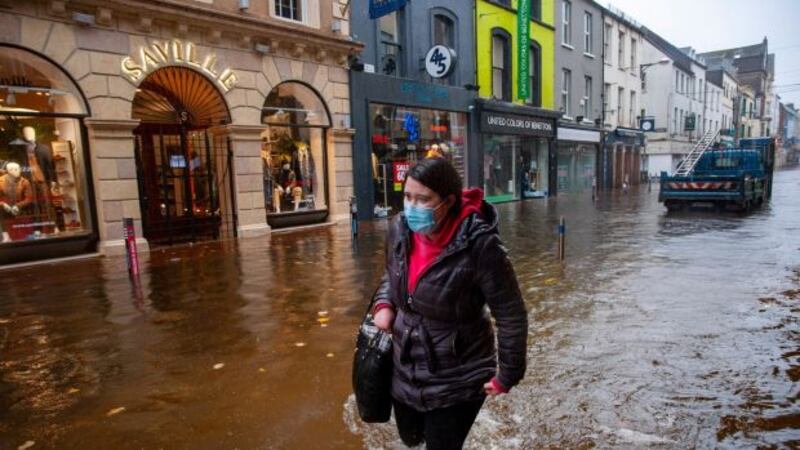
(400, 171)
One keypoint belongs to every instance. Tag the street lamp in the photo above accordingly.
(643, 67)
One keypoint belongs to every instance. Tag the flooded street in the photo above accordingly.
(659, 331)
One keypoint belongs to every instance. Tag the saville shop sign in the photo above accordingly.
(516, 124)
(175, 53)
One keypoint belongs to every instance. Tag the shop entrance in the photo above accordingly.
(183, 161)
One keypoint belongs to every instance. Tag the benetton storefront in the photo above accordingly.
(197, 135)
(517, 151)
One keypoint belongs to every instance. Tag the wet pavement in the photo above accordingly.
(659, 331)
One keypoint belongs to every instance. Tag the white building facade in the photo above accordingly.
(674, 94)
(624, 145)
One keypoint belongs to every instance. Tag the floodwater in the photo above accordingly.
(659, 331)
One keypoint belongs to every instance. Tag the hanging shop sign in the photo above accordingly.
(440, 61)
(379, 8)
(492, 122)
(176, 53)
(523, 52)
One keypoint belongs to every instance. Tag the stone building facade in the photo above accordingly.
(188, 116)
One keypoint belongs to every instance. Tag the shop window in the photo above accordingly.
(576, 168)
(401, 136)
(43, 171)
(389, 47)
(294, 155)
(514, 167)
(501, 65)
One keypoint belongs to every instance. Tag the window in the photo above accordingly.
(681, 123)
(675, 121)
(632, 109)
(534, 76)
(389, 49)
(566, 84)
(289, 9)
(607, 42)
(41, 150)
(634, 67)
(683, 83)
(587, 33)
(620, 107)
(566, 21)
(677, 80)
(501, 66)
(536, 9)
(443, 31)
(587, 98)
(606, 97)
(621, 51)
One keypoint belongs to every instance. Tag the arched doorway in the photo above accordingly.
(184, 169)
(294, 155)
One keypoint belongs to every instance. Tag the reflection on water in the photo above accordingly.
(666, 331)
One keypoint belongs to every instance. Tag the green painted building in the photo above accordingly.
(517, 121)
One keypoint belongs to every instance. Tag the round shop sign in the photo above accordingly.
(439, 61)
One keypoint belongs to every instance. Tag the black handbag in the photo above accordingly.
(372, 370)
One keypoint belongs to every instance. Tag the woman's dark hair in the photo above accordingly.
(438, 175)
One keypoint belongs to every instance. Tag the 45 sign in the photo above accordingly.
(439, 61)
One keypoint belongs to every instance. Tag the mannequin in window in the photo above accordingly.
(42, 173)
(305, 167)
(15, 195)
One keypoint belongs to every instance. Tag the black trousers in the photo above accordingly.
(445, 428)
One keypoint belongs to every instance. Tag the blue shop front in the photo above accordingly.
(400, 122)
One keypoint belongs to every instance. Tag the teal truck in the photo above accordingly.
(738, 178)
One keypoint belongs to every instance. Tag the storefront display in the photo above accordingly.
(576, 160)
(400, 136)
(576, 168)
(516, 151)
(43, 187)
(293, 155)
(514, 167)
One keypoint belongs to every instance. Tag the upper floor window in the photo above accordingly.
(389, 48)
(501, 65)
(289, 9)
(587, 97)
(607, 42)
(621, 51)
(566, 23)
(443, 31)
(566, 85)
(634, 68)
(536, 9)
(534, 76)
(587, 33)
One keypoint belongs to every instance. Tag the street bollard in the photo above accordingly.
(562, 239)
(594, 188)
(131, 255)
(353, 218)
(649, 183)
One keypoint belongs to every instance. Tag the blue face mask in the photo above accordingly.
(420, 219)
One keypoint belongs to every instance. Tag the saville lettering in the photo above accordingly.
(175, 52)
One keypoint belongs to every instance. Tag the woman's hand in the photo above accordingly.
(384, 319)
(493, 387)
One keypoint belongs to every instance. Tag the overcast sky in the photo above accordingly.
(710, 25)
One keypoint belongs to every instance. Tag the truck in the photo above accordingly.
(723, 178)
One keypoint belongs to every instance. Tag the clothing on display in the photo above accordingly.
(289, 174)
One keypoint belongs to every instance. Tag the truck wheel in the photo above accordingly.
(674, 205)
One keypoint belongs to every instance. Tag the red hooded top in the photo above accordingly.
(425, 250)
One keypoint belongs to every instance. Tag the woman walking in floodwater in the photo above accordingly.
(444, 264)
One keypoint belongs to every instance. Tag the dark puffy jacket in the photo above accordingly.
(444, 346)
